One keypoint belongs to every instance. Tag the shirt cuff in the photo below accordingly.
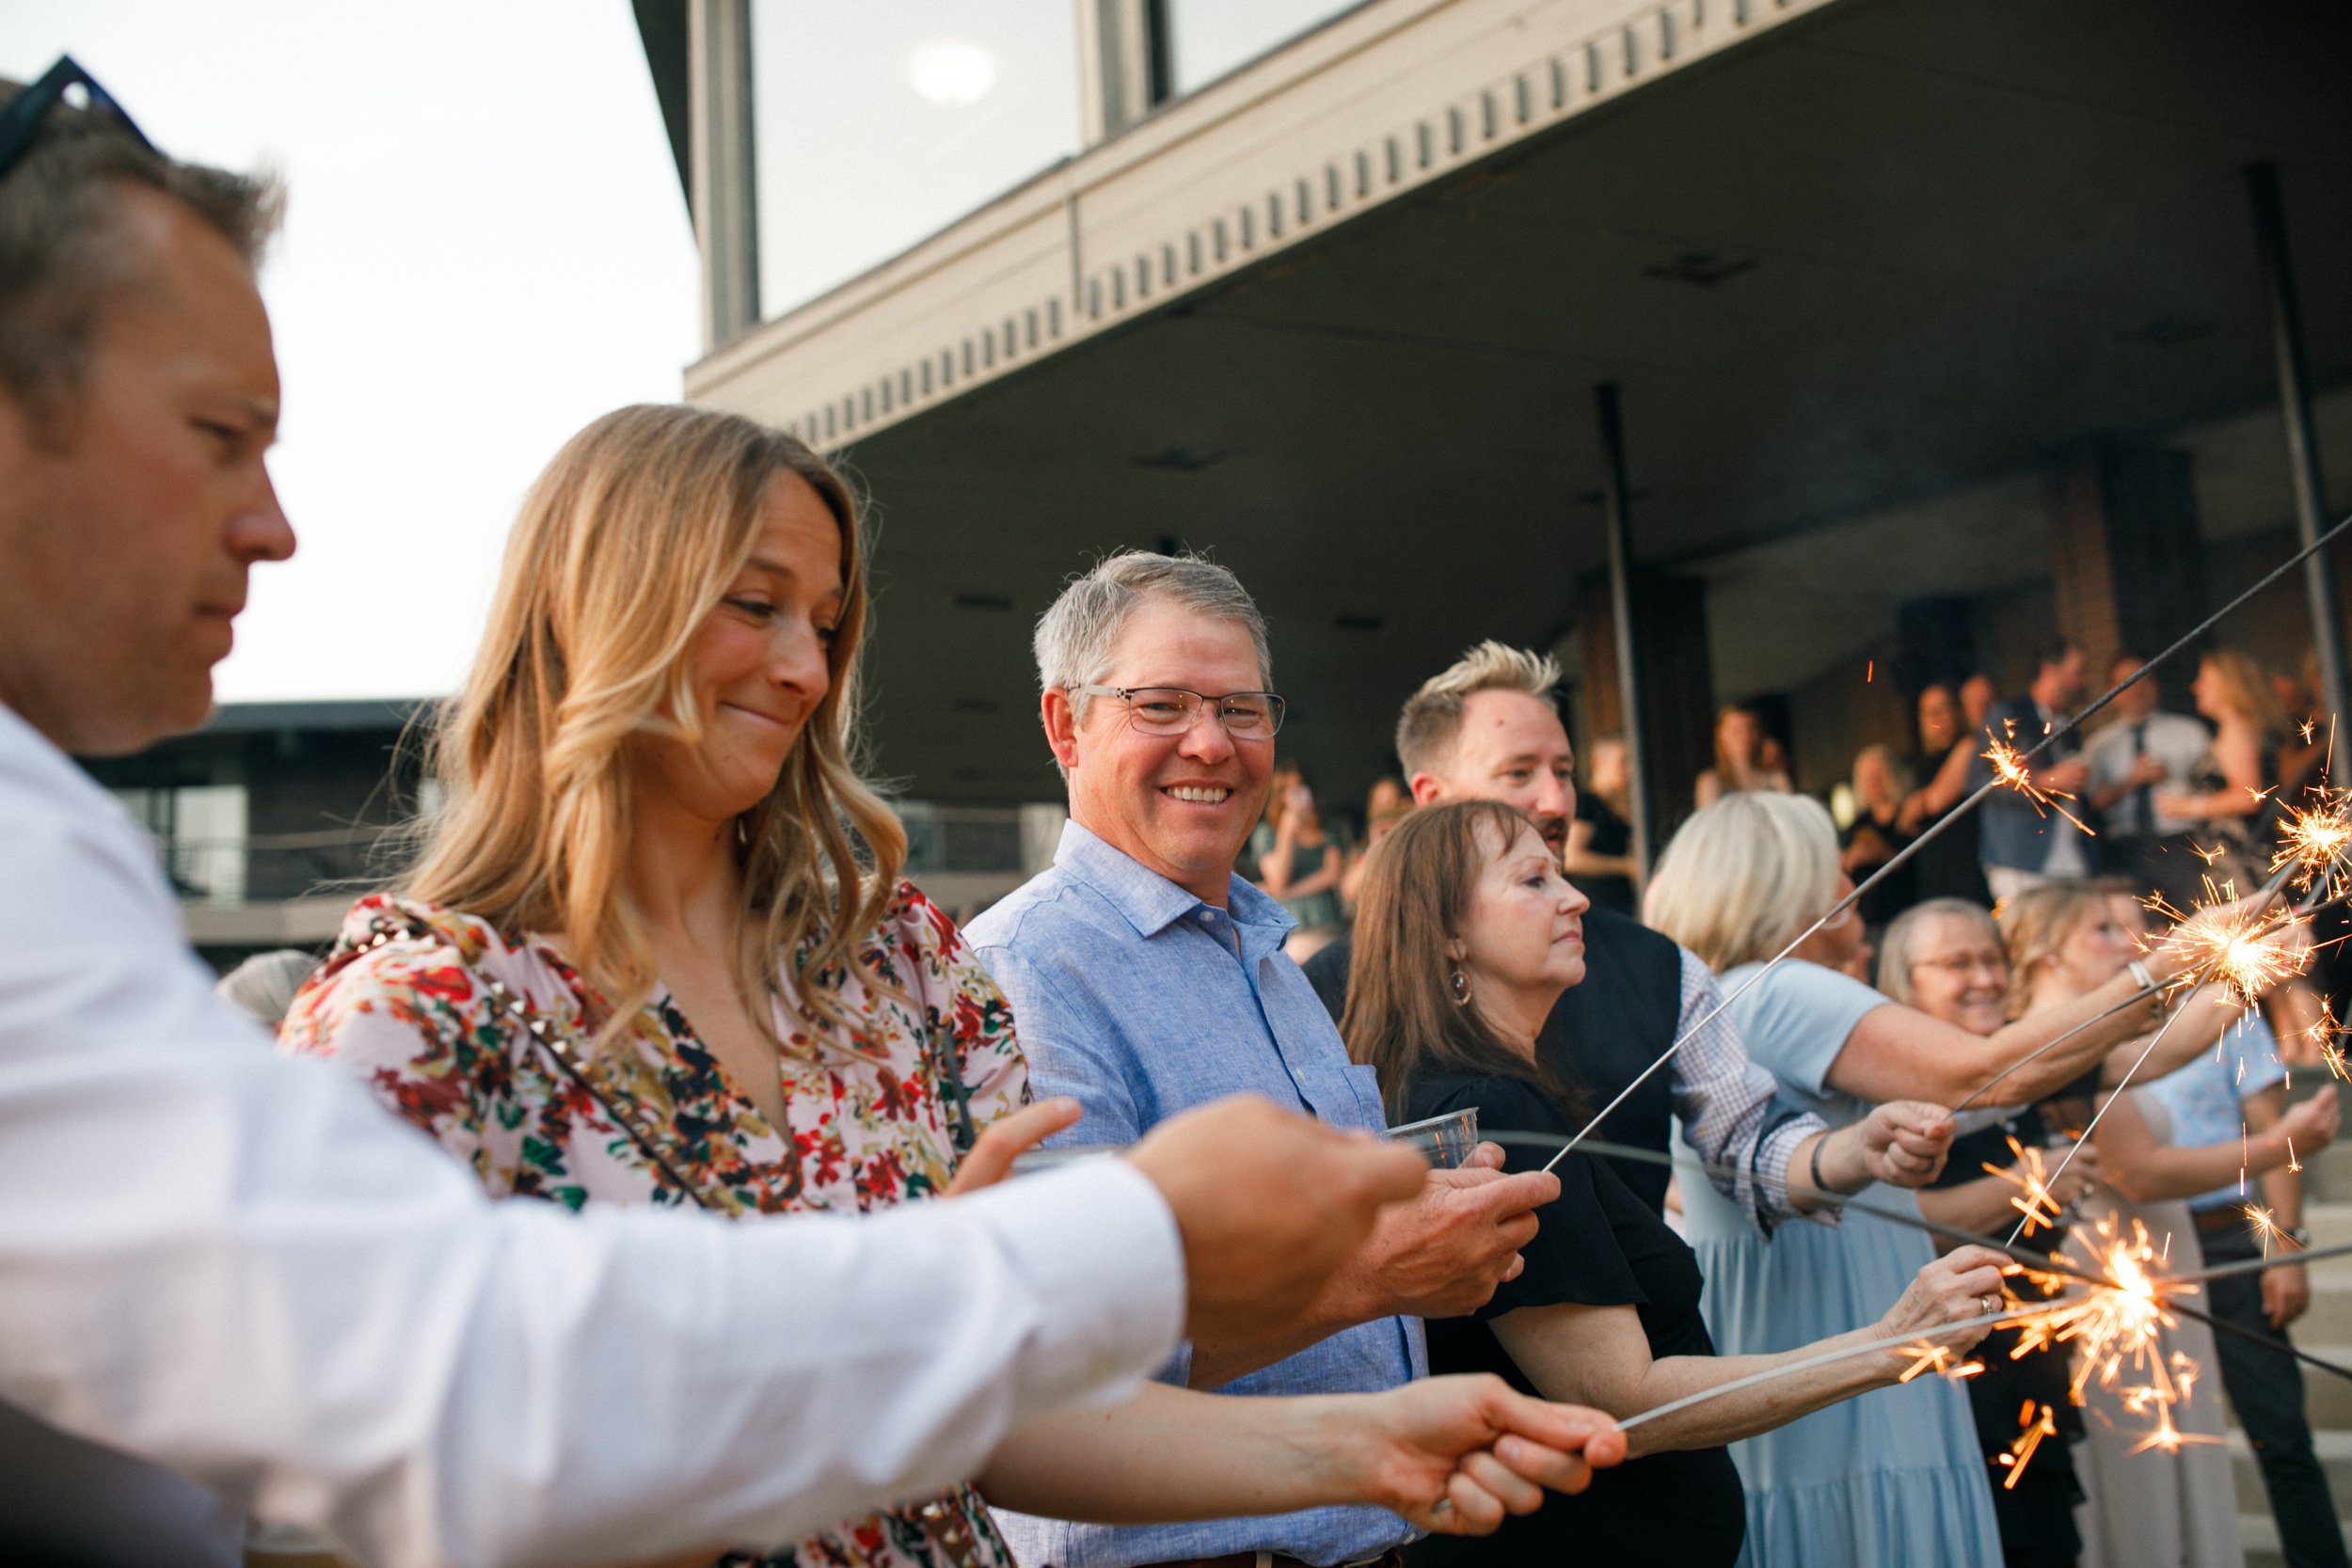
(1098, 1247)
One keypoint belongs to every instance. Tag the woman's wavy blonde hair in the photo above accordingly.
(2039, 921)
(624, 547)
(2246, 689)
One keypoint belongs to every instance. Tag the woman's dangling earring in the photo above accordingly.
(1461, 988)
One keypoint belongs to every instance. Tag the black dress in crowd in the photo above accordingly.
(1599, 1245)
(1611, 835)
(1951, 867)
(2037, 1516)
(1900, 890)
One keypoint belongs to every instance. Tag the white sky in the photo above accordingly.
(485, 247)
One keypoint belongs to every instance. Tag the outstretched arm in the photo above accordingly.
(1451, 1454)
(1598, 1355)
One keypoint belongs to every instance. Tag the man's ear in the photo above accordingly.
(1061, 725)
(1428, 788)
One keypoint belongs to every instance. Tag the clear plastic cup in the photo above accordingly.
(1444, 1141)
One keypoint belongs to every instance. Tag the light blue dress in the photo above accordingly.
(1894, 1476)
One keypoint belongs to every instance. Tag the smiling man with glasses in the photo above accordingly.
(1145, 977)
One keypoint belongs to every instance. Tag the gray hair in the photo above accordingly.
(1075, 637)
(61, 242)
(1898, 947)
(263, 986)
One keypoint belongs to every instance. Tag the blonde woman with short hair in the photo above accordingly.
(1870, 1481)
(657, 951)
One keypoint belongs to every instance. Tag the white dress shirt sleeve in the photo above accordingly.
(239, 1267)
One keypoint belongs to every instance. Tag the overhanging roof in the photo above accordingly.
(1889, 254)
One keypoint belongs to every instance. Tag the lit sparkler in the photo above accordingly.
(2010, 767)
(2116, 1332)
(2314, 839)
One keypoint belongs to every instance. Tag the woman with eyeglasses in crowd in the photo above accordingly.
(1945, 957)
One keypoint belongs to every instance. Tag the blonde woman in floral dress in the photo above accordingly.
(656, 950)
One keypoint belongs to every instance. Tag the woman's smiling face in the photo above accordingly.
(761, 660)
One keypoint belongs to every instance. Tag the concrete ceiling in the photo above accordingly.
(1877, 263)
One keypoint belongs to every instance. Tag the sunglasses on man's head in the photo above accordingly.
(21, 121)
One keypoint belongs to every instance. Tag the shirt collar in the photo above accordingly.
(1149, 901)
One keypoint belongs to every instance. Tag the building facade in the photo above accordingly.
(1936, 325)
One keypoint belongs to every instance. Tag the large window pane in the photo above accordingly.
(1210, 37)
(881, 124)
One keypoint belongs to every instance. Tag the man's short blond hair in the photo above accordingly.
(1432, 719)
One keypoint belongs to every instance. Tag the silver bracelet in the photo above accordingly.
(2140, 971)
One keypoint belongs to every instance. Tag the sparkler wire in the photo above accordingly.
(2066, 726)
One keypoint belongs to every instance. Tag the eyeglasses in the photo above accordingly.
(19, 123)
(1968, 963)
(1173, 710)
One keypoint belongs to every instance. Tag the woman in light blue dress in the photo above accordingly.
(1895, 1475)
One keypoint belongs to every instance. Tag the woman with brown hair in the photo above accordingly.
(1468, 936)
(657, 951)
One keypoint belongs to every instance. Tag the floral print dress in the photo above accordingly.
(403, 1001)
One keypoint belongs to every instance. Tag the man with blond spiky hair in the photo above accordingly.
(1489, 729)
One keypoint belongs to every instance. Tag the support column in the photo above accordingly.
(2127, 560)
(1621, 617)
(726, 197)
(1678, 685)
(2295, 405)
(1127, 68)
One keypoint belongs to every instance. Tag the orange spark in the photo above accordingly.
(2032, 1428)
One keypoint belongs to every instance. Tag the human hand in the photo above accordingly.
(1008, 1138)
(1964, 1283)
(2311, 1125)
(2147, 768)
(1453, 1455)
(1902, 1142)
(1270, 1205)
(2286, 1293)
(2066, 1189)
(2066, 778)
(1442, 1255)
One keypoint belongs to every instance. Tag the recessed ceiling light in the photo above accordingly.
(952, 72)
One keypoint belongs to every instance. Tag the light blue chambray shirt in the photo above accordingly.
(1139, 1000)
